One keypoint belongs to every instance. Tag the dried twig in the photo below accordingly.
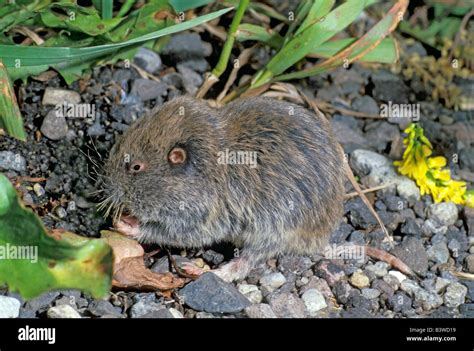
(464, 275)
(389, 258)
(365, 191)
(242, 60)
(144, 74)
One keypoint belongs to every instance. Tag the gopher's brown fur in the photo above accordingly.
(287, 201)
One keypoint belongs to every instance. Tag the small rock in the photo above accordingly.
(359, 280)
(191, 80)
(441, 284)
(389, 87)
(379, 170)
(426, 299)
(204, 315)
(412, 252)
(54, 127)
(319, 284)
(370, 294)
(62, 311)
(147, 59)
(446, 120)
(467, 310)
(60, 212)
(294, 264)
(261, 310)
(144, 307)
(357, 312)
(184, 46)
(455, 295)
(198, 64)
(103, 308)
(39, 190)
(147, 89)
(386, 286)
(357, 237)
(163, 264)
(272, 281)
(12, 161)
(359, 215)
(411, 227)
(399, 302)
(175, 313)
(468, 213)
(443, 213)
(42, 302)
(96, 129)
(159, 314)
(379, 269)
(430, 227)
(395, 203)
(9, 307)
(54, 96)
(342, 291)
(340, 235)
(287, 305)
(213, 257)
(211, 294)
(365, 104)
(314, 301)
(251, 292)
(469, 261)
(438, 253)
(329, 271)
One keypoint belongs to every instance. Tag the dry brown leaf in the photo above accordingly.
(129, 268)
(131, 273)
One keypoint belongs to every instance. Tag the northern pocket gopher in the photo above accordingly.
(263, 174)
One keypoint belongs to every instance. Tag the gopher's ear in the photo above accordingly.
(177, 156)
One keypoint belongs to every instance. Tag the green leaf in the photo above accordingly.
(77, 18)
(316, 12)
(361, 47)
(46, 263)
(29, 56)
(185, 5)
(10, 115)
(385, 52)
(309, 39)
(107, 9)
(149, 18)
(249, 31)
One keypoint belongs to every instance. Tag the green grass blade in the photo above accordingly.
(359, 48)
(385, 52)
(249, 31)
(316, 12)
(185, 5)
(107, 9)
(10, 115)
(309, 39)
(25, 56)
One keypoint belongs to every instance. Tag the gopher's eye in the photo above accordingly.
(177, 156)
(137, 166)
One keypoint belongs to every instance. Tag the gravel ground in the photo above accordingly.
(433, 239)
